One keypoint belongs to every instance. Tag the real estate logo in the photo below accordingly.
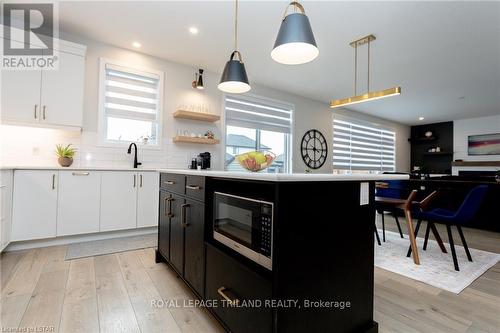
(29, 36)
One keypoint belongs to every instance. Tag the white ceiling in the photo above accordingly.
(444, 55)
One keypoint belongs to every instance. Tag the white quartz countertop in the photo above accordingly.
(279, 177)
(285, 177)
(17, 167)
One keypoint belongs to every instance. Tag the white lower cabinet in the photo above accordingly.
(6, 185)
(79, 199)
(118, 200)
(52, 203)
(34, 204)
(147, 199)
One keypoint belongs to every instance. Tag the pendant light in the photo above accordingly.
(370, 95)
(295, 43)
(234, 77)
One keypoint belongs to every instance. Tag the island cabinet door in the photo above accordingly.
(227, 281)
(194, 263)
(177, 234)
(164, 224)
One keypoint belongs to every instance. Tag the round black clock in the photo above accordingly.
(314, 149)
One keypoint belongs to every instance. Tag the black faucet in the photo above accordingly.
(135, 154)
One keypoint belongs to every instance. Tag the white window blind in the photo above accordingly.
(258, 113)
(357, 146)
(131, 103)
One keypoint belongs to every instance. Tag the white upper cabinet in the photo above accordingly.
(118, 200)
(20, 94)
(62, 92)
(147, 199)
(48, 97)
(78, 202)
(34, 204)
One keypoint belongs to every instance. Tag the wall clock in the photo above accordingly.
(314, 149)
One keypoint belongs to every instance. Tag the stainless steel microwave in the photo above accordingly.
(244, 225)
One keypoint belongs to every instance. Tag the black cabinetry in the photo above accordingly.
(421, 156)
(231, 283)
(181, 227)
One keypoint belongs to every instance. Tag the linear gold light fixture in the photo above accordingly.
(369, 96)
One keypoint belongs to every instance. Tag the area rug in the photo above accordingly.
(436, 268)
(108, 246)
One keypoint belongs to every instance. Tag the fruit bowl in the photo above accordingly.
(256, 160)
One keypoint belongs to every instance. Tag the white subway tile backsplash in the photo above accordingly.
(31, 146)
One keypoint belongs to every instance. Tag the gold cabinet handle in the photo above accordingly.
(183, 215)
(232, 302)
(43, 111)
(169, 182)
(193, 187)
(36, 107)
(81, 173)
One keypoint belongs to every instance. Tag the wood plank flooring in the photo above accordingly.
(113, 293)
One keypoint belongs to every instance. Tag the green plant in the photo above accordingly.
(65, 151)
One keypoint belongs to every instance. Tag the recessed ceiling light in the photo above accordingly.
(421, 118)
(193, 30)
(136, 44)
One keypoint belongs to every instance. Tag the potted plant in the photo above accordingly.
(65, 155)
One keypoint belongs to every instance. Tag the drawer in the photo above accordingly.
(173, 182)
(226, 276)
(195, 187)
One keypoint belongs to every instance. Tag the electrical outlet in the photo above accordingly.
(36, 151)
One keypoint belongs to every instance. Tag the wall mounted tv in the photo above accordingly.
(484, 144)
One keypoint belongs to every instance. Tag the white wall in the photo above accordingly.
(37, 146)
(464, 127)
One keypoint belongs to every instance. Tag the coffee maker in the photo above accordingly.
(202, 161)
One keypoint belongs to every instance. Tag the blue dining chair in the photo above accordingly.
(462, 216)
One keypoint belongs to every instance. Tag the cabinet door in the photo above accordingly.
(62, 92)
(34, 204)
(177, 234)
(20, 95)
(118, 200)
(164, 224)
(78, 202)
(6, 181)
(194, 244)
(147, 199)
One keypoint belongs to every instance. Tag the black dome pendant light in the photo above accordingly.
(234, 77)
(295, 43)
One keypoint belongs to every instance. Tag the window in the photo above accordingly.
(358, 147)
(130, 105)
(258, 123)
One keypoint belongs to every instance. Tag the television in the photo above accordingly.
(484, 144)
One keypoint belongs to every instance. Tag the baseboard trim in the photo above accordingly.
(33, 244)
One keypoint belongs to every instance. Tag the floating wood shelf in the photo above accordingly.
(188, 139)
(438, 153)
(191, 115)
(476, 163)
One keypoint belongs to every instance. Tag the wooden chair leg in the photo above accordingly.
(464, 243)
(415, 233)
(397, 223)
(376, 234)
(452, 246)
(427, 230)
(383, 227)
(437, 237)
(411, 235)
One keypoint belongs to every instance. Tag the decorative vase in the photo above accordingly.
(65, 161)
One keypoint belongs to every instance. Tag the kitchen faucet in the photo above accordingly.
(135, 154)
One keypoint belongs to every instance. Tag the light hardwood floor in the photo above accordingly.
(113, 293)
